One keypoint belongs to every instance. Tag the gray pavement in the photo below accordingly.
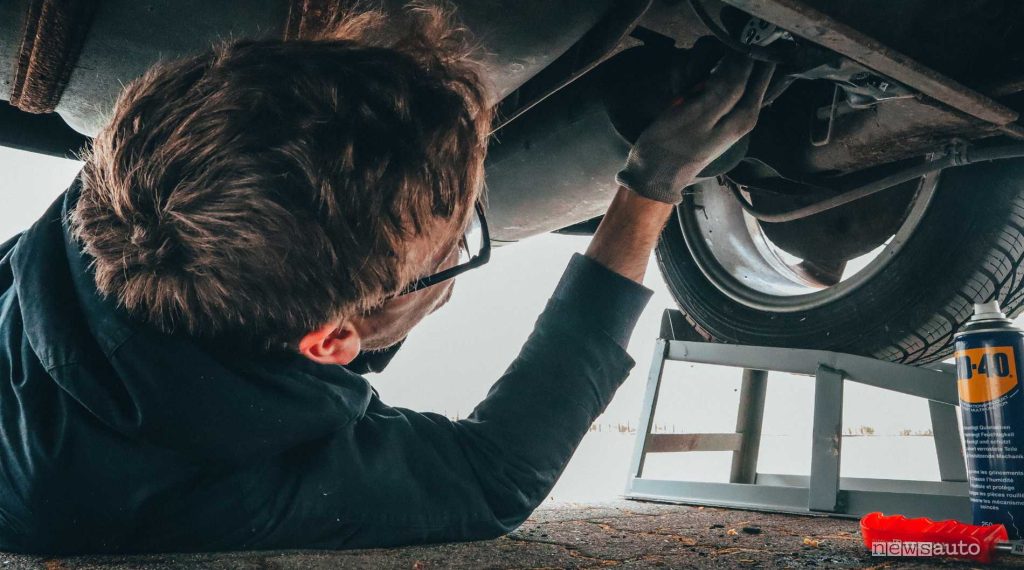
(612, 535)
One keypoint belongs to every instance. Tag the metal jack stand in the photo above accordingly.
(824, 491)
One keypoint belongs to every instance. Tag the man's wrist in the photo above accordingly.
(628, 233)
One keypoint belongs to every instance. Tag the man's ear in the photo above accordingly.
(332, 344)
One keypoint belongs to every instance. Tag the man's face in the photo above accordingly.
(434, 250)
(391, 323)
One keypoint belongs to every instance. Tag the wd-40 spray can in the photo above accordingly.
(988, 352)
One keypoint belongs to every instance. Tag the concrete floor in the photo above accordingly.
(614, 535)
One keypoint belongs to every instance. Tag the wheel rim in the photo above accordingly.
(728, 246)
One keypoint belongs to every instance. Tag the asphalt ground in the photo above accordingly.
(623, 534)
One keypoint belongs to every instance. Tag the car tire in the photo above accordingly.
(967, 248)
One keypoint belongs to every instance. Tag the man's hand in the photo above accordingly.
(692, 133)
(668, 156)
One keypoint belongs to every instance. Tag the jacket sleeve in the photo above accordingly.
(395, 476)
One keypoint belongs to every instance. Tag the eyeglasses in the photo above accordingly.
(474, 251)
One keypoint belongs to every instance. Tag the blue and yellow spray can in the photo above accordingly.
(988, 351)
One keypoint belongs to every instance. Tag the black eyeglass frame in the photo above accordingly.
(476, 261)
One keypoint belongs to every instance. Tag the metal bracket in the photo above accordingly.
(823, 491)
(827, 440)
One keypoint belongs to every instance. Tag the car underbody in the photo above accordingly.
(867, 84)
(871, 100)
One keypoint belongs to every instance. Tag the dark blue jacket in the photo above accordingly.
(116, 438)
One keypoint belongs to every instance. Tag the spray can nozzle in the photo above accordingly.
(989, 311)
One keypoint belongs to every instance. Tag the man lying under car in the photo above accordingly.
(181, 333)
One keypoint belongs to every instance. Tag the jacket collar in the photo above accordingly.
(166, 389)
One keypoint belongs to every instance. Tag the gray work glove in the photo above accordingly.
(693, 132)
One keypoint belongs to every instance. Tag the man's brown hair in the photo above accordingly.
(259, 190)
